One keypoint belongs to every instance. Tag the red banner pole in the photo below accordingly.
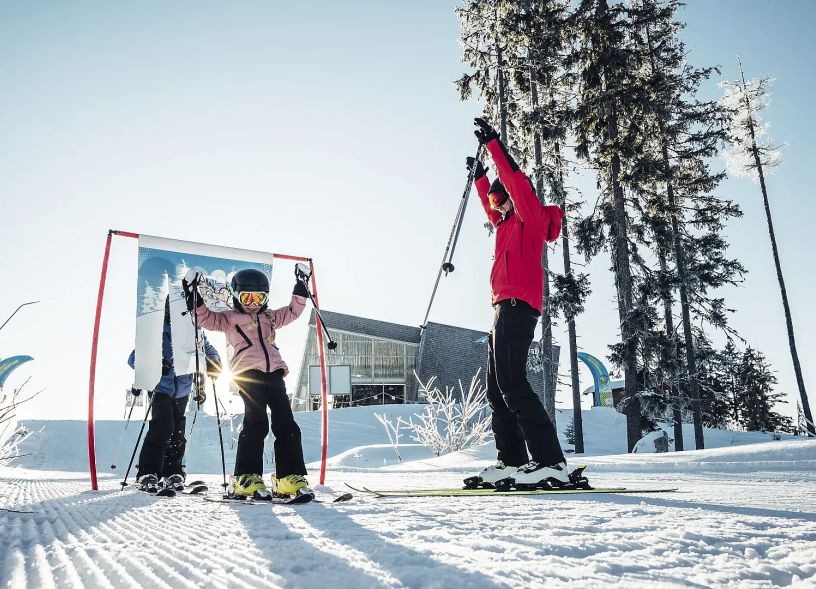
(94, 342)
(323, 394)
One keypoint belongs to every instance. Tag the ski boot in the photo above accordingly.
(291, 485)
(149, 483)
(533, 476)
(175, 482)
(488, 477)
(248, 486)
(536, 476)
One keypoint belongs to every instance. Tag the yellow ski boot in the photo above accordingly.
(291, 485)
(248, 486)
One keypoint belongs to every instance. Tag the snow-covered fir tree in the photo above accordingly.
(675, 184)
(610, 98)
(756, 396)
(752, 152)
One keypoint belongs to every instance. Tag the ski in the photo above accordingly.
(195, 489)
(296, 500)
(494, 493)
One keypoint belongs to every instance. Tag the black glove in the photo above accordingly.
(135, 392)
(167, 366)
(189, 295)
(481, 171)
(213, 368)
(302, 274)
(300, 289)
(485, 133)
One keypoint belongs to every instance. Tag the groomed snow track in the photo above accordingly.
(755, 530)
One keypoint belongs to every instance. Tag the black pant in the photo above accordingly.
(519, 419)
(164, 445)
(260, 390)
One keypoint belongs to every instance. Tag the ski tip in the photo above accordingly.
(344, 497)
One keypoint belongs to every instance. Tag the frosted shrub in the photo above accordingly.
(448, 424)
(393, 430)
(12, 435)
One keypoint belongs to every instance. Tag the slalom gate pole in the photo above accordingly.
(220, 436)
(122, 435)
(124, 482)
(447, 266)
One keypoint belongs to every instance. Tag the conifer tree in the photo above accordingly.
(756, 396)
(686, 134)
(607, 134)
(751, 154)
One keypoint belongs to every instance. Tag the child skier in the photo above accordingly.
(523, 226)
(160, 460)
(259, 371)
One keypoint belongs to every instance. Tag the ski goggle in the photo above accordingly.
(249, 297)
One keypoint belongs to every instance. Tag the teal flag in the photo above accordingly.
(8, 365)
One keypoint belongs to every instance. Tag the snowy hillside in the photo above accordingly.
(744, 515)
(354, 436)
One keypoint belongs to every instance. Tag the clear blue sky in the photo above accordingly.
(324, 129)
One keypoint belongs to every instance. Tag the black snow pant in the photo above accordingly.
(163, 448)
(519, 419)
(260, 390)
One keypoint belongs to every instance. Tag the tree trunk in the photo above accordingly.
(800, 382)
(577, 417)
(623, 284)
(546, 319)
(680, 260)
(500, 80)
(674, 391)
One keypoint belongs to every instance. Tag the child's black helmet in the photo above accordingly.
(248, 280)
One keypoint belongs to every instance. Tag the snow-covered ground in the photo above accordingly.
(745, 515)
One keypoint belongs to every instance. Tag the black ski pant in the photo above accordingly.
(260, 390)
(163, 448)
(519, 419)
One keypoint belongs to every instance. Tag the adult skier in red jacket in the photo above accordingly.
(523, 226)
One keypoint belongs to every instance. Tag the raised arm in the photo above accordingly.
(212, 320)
(285, 315)
(482, 184)
(515, 181)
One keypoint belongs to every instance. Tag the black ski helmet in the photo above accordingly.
(248, 280)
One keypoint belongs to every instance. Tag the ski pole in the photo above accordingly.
(332, 345)
(122, 435)
(447, 265)
(220, 436)
(124, 482)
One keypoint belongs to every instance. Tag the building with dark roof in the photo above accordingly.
(381, 359)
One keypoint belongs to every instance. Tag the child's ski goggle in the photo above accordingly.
(247, 298)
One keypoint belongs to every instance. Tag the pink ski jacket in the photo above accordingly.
(252, 337)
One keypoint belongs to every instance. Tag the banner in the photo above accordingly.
(8, 366)
(162, 265)
(603, 394)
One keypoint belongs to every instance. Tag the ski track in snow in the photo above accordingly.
(747, 530)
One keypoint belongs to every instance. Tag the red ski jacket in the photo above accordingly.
(520, 237)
